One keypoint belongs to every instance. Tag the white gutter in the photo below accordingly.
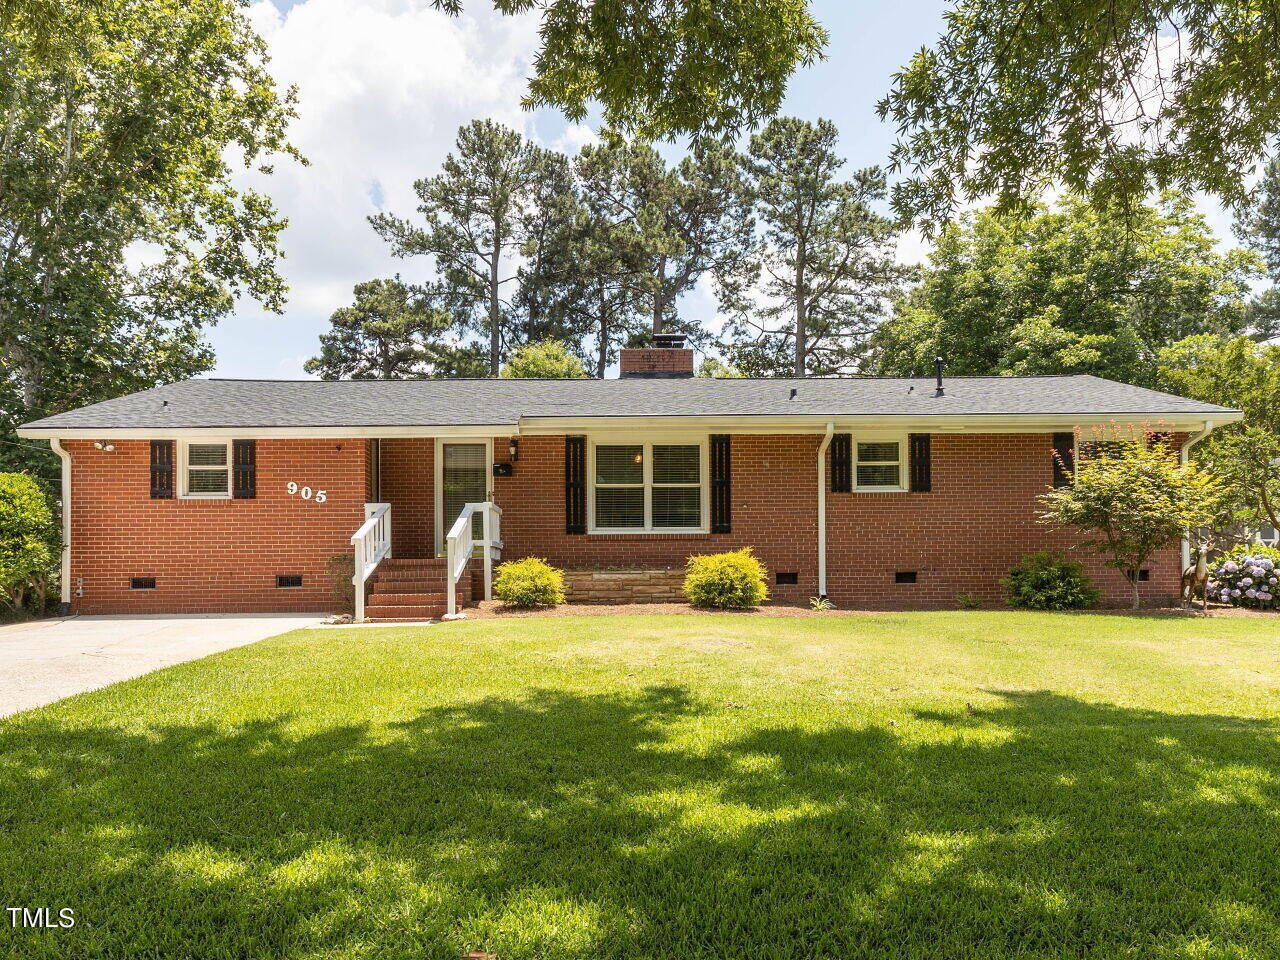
(1185, 458)
(720, 423)
(822, 509)
(65, 587)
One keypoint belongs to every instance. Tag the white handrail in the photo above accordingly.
(461, 545)
(371, 545)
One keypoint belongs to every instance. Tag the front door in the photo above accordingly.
(464, 478)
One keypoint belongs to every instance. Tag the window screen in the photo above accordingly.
(465, 479)
(648, 486)
(879, 464)
(207, 469)
(620, 487)
(677, 493)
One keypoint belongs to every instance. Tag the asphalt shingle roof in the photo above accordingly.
(428, 403)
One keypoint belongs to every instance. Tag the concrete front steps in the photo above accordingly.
(412, 589)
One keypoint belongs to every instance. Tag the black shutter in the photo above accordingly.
(1064, 458)
(841, 463)
(244, 469)
(162, 469)
(920, 452)
(720, 469)
(575, 484)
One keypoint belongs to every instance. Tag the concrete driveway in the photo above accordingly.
(47, 660)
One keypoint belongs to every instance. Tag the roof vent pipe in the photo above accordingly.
(937, 372)
(794, 393)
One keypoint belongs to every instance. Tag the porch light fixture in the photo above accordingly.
(513, 449)
(105, 445)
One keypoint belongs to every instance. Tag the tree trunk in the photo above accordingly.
(495, 313)
(1133, 582)
(801, 310)
(658, 294)
(602, 353)
(1269, 509)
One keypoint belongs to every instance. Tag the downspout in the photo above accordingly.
(822, 509)
(1185, 458)
(65, 585)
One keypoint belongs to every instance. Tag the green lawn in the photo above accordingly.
(907, 785)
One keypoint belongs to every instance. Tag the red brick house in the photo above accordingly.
(230, 495)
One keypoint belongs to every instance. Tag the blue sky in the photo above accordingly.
(383, 86)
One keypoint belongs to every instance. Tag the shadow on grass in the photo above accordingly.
(570, 825)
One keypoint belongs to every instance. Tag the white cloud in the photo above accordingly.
(383, 86)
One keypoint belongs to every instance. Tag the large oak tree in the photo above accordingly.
(661, 68)
(122, 232)
(1069, 290)
(1112, 100)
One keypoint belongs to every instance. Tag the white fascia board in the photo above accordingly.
(765, 424)
(991, 423)
(265, 433)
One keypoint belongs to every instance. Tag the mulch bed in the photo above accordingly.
(496, 610)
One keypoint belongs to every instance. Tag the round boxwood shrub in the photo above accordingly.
(531, 582)
(1048, 581)
(1246, 576)
(733, 580)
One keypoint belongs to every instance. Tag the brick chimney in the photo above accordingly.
(666, 359)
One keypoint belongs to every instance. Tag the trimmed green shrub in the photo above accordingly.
(530, 582)
(1048, 581)
(733, 580)
(30, 540)
(1246, 576)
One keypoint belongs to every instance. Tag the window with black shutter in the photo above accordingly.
(841, 463)
(920, 451)
(162, 469)
(720, 490)
(244, 466)
(575, 485)
(1064, 458)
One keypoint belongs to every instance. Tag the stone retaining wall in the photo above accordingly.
(624, 586)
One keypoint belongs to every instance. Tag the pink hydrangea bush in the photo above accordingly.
(1246, 576)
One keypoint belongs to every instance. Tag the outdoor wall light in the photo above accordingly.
(513, 449)
(106, 445)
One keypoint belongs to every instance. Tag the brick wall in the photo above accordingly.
(213, 556)
(962, 537)
(643, 360)
(408, 484)
(224, 555)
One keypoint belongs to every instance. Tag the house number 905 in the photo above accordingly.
(306, 493)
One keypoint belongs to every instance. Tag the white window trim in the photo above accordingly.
(184, 478)
(701, 441)
(901, 441)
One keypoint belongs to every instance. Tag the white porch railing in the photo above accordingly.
(462, 544)
(372, 545)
